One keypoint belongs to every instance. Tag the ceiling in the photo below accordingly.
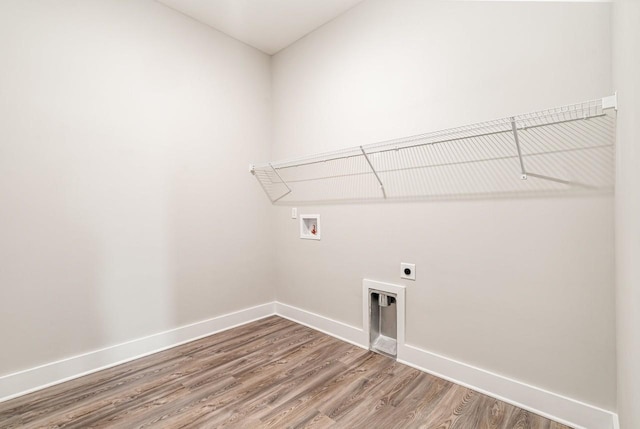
(269, 25)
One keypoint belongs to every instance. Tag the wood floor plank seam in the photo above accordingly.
(271, 373)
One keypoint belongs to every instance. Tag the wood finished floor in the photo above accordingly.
(272, 373)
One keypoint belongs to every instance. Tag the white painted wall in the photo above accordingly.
(520, 287)
(126, 207)
(626, 72)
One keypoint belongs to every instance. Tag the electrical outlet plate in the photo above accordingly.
(411, 273)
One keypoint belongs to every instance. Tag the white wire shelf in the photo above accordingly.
(563, 149)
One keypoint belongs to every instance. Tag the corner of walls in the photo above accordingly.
(626, 72)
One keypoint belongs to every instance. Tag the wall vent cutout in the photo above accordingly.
(383, 317)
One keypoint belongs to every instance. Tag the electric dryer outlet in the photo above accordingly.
(407, 271)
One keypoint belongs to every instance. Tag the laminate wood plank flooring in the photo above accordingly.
(272, 373)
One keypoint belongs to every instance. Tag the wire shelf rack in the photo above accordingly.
(563, 149)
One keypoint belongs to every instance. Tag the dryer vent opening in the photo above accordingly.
(383, 323)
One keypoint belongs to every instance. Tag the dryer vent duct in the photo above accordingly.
(383, 323)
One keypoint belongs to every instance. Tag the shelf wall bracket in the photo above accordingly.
(283, 182)
(610, 102)
(375, 173)
(514, 127)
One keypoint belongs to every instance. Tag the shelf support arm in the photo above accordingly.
(283, 182)
(375, 173)
(514, 127)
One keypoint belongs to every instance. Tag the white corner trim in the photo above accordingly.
(339, 330)
(616, 422)
(40, 377)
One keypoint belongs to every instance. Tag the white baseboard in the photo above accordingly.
(548, 404)
(342, 331)
(562, 409)
(32, 379)
(616, 422)
(557, 407)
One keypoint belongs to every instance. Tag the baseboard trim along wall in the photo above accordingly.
(562, 409)
(342, 331)
(557, 407)
(32, 379)
(548, 404)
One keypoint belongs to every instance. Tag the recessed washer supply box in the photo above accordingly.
(310, 226)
